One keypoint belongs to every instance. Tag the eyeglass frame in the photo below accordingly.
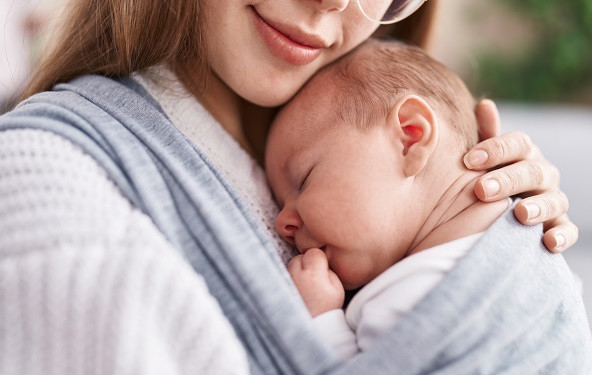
(422, 2)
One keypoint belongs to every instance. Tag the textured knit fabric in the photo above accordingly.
(393, 294)
(88, 284)
(241, 171)
(508, 306)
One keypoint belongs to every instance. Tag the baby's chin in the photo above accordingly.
(351, 287)
(354, 275)
(350, 283)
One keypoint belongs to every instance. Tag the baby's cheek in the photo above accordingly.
(352, 271)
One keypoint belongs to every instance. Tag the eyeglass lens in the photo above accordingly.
(389, 11)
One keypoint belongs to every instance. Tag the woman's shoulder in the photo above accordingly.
(52, 192)
(78, 263)
(85, 98)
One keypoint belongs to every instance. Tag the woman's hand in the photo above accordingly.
(319, 287)
(528, 174)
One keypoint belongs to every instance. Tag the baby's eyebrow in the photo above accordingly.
(293, 158)
(287, 162)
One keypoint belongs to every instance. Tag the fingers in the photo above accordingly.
(504, 149)
(560, 234)
(529, 173)
(315, 259)
(295, 265)
(488, 119)
(312, 259)
(542, 208)
(335, 282)
(549, 208)
(524, 176)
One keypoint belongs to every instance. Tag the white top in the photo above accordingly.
(394, 293)
(87, 282)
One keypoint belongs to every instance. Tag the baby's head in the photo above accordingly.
(357, 159)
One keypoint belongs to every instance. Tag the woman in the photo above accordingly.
(106, 208)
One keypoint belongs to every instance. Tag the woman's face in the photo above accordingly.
(265, 50)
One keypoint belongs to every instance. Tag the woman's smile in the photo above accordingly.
(289, 42)
(264, 50)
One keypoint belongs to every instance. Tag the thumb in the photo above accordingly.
(488, 119)
(315, 259)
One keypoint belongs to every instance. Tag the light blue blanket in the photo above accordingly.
(507, 307)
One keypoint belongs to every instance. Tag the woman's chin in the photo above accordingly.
(269, 98)
(268, 94)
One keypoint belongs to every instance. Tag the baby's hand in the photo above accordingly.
(319, 287)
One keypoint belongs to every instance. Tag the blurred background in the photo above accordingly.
(26, 27)
(534, 57)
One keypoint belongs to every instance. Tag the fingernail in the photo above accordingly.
(488, 102)
(475, 158)
(491, 188)
(559, 241)
(532, 210)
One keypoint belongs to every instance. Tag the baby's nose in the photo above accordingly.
(287, 223)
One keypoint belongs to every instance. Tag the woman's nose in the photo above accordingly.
(332, 5)
(287, 223)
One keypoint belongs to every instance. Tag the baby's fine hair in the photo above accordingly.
(375, 75)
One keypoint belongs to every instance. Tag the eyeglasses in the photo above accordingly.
(388, 11)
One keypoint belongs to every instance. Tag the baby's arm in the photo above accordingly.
(323, 295)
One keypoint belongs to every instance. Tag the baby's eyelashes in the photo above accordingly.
(302, 184)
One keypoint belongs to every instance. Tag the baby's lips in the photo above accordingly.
(314, 259)
(305, 243)
(322, 248)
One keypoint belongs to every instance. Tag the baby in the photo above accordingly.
(373, 189)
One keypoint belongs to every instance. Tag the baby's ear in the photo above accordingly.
(416, 128)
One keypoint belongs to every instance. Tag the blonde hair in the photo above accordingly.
(117, 37)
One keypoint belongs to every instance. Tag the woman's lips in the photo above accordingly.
(288, 43)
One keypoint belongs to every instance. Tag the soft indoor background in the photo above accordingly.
(532, 56)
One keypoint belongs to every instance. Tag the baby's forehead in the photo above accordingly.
(335, 96)
(349, 96)
(318, 100)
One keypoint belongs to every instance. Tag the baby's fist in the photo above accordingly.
(319, 287)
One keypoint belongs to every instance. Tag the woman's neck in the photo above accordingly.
(247, 123)
(225, 106)
(220, 101)
(256, 124)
